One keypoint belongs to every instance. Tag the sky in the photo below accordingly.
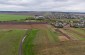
(43, 5)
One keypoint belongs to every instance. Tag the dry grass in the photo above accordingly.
(10, 41)
(63, 48)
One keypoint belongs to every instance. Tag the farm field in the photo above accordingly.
(47, 42)
(41, 39)
(23, 26)
(10, 41)
(41, 32)
(10, 17)
(37, 40)
(74, 33)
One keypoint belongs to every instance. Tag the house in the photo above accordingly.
(78, 24)
(39, 17)
(59, 24)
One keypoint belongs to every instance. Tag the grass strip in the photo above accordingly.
(27, 45)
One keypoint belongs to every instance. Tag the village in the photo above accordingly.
(73, 24)
(61, 23)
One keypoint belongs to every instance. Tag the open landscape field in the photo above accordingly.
(39, 38)
(10, 41)
(42, 27)
(10, 17)
(49, 42)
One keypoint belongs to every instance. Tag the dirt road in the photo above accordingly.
(21, 43)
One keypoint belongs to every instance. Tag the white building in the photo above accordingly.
(39, 17)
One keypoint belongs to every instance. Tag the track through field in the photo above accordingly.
(63, 34)
(21, 43)
(10, 41)
(43, 40)
(74, 31)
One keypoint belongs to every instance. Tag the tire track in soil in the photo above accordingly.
(82, 35)
(46, 41)
(21, 43)
(63, 33)
(63, 38)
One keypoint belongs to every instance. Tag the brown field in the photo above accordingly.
(22, 26)
(63, 38)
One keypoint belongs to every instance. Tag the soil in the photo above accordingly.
(22, 26)
(82, 35)
(63, 38)
(63, 33)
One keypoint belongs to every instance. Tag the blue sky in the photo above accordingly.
(43, 5)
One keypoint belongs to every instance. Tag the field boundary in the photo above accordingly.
(82, 35)
(63, 34)
(23, 23)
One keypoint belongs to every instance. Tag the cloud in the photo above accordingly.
(43, 5)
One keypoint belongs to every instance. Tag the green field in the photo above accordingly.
(46, 42)
(36, 39)
(41, 42)
(10, 17)
(76, 33)
(10, 41)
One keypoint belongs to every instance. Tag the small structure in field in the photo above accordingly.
(39, 17)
